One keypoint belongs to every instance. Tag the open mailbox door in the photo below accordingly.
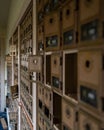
(13, 117)
(13, 50)
(14, 91)
(35, 63)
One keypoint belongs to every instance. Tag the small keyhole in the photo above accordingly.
(51, 20)
(67, 12)
(55, 62)
(87, 64)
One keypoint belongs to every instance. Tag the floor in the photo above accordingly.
(1, 128)
(3, 115)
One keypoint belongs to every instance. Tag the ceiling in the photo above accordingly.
(4, 12)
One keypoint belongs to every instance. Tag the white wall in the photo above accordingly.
(2, 72)
(17, 9)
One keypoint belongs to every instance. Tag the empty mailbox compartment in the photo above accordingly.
(57, 110)
(48, 69)
(70, 73)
